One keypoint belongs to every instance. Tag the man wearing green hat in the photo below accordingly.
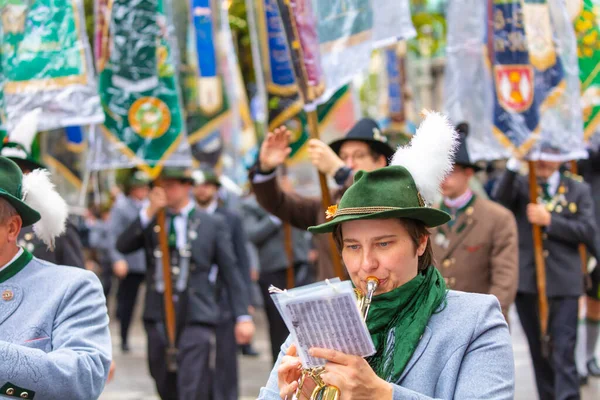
(206, 193)
(131, 268)
(478, 249)
(363, 148)
(197, 241)
(54, 337)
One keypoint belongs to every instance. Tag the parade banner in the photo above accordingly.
(530, 65)
(587, 27)
(139, 89)
(205, 99)
(336, 39)
(221, 132)
(46, 63)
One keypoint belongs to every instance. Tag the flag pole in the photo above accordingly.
(309, 94)
(169, 306)
(540, 264)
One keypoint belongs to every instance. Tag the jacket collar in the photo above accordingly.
(15, 266)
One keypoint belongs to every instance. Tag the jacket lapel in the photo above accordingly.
(11, 296)
(425, 338)
(461, 228)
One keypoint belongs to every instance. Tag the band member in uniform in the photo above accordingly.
(478, 249)
(590, 170)
(206, 193)
(130, 268)
(197, 241)
(565, 211)
(363, 148)
(54, 337)
(430, 342)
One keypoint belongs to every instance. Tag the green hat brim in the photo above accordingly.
(431, 217)
(28, 214)
(28, 163)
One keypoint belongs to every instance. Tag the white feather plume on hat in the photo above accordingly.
(40, 194)
(430, 154)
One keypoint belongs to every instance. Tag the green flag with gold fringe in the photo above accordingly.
(587, 28)
(139, 86)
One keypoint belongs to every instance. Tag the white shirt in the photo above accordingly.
(553, 183)
(181, 221)
(212, 207)
(13, 259)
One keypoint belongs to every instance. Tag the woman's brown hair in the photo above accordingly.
(416, 230)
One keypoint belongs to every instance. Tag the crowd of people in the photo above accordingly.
(439, 231)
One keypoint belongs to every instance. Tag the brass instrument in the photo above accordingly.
(316, 389)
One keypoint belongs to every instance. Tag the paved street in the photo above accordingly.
(132, 381)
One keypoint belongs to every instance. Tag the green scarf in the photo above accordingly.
(398, 318)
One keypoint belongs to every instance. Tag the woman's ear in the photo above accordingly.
(422, 245)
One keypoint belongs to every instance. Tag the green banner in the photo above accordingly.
(587, 28)
(40, 45)
(138, 84)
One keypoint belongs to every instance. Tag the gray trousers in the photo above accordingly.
(194, 377)
(226, 368)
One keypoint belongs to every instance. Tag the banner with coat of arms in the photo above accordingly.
(139, 89)
(46, 63)
(529, 60)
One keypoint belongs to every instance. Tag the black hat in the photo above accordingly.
(366, 130)
(462, 154)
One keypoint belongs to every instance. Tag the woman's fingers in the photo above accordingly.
(288, 390)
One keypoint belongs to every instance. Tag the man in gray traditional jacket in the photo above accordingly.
(130, 268)
(54, 337)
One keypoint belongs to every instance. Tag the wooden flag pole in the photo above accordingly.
(169, 305)
(289, 251)
(313, 127)
(540, 262)
(309, 93)
(582, 249)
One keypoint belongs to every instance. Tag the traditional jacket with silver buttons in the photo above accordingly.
(54, 337)
(208, 243)
(573, 222)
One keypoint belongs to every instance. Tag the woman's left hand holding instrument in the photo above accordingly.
(288, 373)
(352, 375)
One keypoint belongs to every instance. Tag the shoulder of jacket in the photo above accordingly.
(572, 176)
(494, 209)
(61, 273)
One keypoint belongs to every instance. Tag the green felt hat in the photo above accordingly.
(206, 175)
(138, 178)
(385, 193)
(179, 173)
(11, 181)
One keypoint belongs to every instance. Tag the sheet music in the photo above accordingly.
(326, 316)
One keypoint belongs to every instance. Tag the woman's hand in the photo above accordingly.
(288, 373)
(352, 375)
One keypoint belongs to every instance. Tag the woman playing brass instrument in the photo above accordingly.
(431, 342)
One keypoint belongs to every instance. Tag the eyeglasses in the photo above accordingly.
(359, 155)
